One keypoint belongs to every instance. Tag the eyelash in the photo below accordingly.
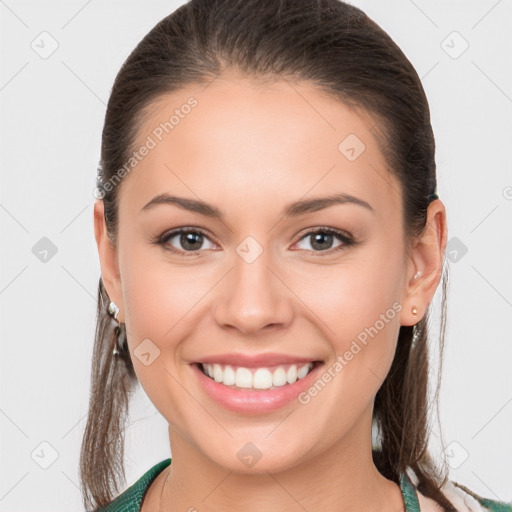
(347, 240)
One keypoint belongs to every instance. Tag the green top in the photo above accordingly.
(131, 499)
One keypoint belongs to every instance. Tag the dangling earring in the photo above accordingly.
(414, 311)
(113, 311)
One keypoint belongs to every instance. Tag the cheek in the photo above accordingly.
(347, 298)
(357, 308)
(164, 305)
(360, 323)
(156, 300)
(158, 294)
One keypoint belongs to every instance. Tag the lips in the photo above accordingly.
(253, 401)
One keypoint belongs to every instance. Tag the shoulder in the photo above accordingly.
(459, 496)
(466, 500)
(463, 500)
(131, 499)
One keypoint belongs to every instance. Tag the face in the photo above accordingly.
(253, 277)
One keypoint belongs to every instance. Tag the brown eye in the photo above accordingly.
(183, 241)
(321, 240)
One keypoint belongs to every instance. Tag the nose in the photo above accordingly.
(253, 298)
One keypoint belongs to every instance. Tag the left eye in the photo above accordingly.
(322, 239)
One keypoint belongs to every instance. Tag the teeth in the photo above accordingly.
(291, 374)
(229, 378)
(217, 374)
(262, 379)
(279, 377)
(257, 378)
(243, 377)
(302, 372)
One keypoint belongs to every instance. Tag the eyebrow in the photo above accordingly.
(291, 210)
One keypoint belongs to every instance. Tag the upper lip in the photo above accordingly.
(254, 361)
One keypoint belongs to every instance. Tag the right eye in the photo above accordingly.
(190, 239)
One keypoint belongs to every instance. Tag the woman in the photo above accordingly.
(270, 240)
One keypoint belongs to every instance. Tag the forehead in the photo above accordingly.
(280, 140)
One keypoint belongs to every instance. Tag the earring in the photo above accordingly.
(418, 274)
(113, 311)
(415, 335)
(414, 310)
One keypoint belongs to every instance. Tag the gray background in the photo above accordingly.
(52, 114)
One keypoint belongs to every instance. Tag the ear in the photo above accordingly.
(107, 252)
(425, 261)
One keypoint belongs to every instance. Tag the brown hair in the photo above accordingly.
(339, 49)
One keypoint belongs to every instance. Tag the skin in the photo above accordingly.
(250, 150)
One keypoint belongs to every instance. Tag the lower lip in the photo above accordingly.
(254, 401)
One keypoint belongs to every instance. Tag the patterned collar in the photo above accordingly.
(409, 494)
(464, 500)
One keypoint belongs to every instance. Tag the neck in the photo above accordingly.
(343, 478)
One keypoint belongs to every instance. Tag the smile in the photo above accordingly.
(256, 378)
